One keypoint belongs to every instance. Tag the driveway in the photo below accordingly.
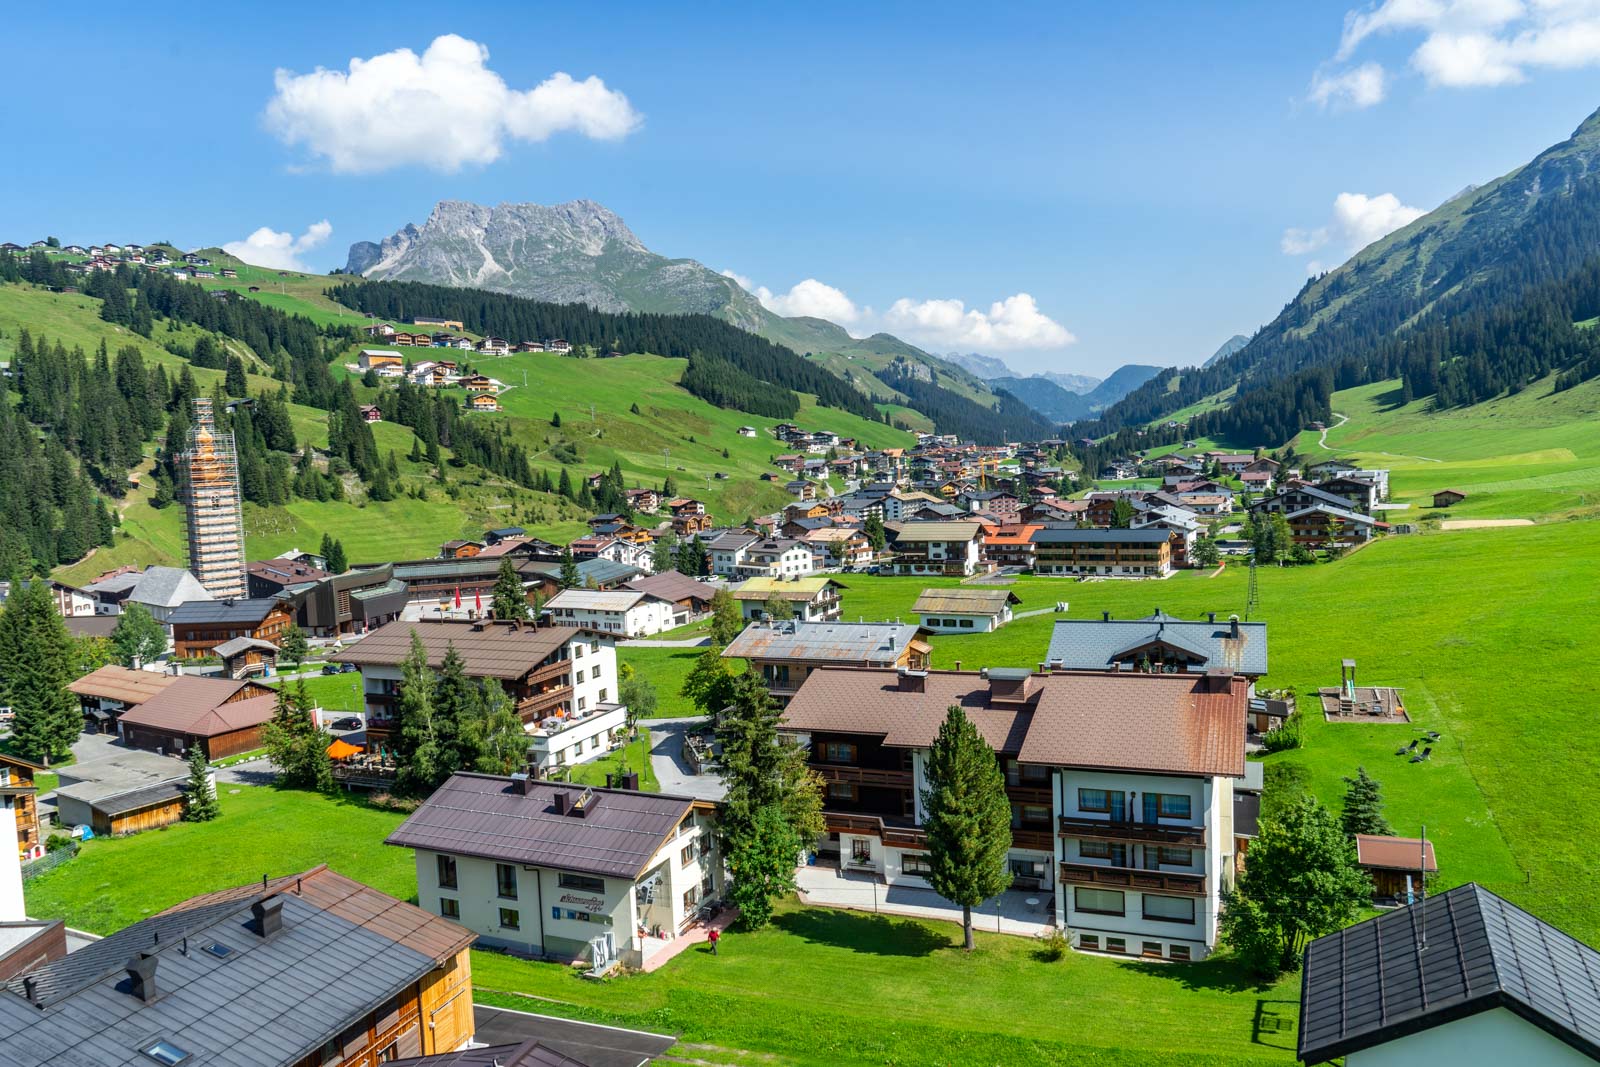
(590, 1043)
(672, 769)
(1026, 914)
(647, 642)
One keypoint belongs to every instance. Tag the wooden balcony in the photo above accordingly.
(1133, 878)
(534, 707)
(557, 671)
(1027, 794)
(1136, 832)
(840, 822)
(837, 772)
(1033, 840)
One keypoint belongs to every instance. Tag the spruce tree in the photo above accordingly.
(294, 646)
(455, 701)
(1363, 806)
(416, 748)
(200, 792)
(137, 638)
(36, 663)
(510, 599)
(569, 578)
(235, 381)
(968, 818)
(496, 740)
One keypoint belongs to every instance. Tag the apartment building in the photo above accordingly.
(1121, 787)
(785, 652)
(624, 612)
(947, 548)
(1113, 553)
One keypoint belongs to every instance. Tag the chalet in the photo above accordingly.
(1258, 481)
(479, 383)
(374, 358)
(460, 549)
(1118, 553)
(503, 533)
(688, 523)
(1359, 493)
(1159, 643)
(200, 626)
(778, 558)
(19, 794)
(838, 546)
(949, 548)
(965, 609)
(412, 340)
(378, 329)
(494, 346)
(558, 346)
(309, 968)
(1399, 866)
(689, 598)
(370, 413)
(554, 673)
(1010, 546)
(1446, 498)
(1184, 526)
(70, 602)
(686, 506)
(812, 599)
(747, 431)
(727, 551)
(444, 324)
(162, 590)
(1331, 468)
(528, 346)
(624, 612)
(1118, 787)
(106, 692)
(1002, 505)
(228, 272)
(815, 509)
(487, 402)
(1296, 495)
(802, 489)
(1462, 977)
(243, 657)
(786, 651)
(564, 872)
(645, 500)
(1320, 526)
(221, 716)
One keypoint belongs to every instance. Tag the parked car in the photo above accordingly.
(333, 668)
(348, 668)
(349, 722)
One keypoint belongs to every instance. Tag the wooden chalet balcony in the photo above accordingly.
(1137, 832)
(549, 672)
(841, 822)
(1133, 878)
(1034, 840)
(835, 772)
(535, 706)
(1027, 794)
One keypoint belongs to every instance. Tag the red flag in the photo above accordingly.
(477, 601)
(458, 596)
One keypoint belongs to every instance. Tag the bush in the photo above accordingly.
(1284, 737)
(1053, 945)
(56, 842)
(390, 802)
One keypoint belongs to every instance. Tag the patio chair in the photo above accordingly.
(1401, 751)
(1423, 755)
(1415, 741)
(1433, 735)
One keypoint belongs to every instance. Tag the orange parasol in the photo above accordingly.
(342, 749)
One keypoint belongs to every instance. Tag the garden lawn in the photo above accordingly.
(335, 692)
(635, 756)
(117, 881)
(834, 987)
(665, 668)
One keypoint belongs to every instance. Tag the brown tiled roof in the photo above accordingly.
(119, 683)
(490, 650)
(199, 706)
(671, 585)
(1158, 723)
(965, 600)
(1395, 853)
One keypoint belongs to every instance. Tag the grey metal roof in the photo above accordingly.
(484, 815)
(167, 587)
(343, 951)
(223, 612)
(1099, 644)
(605, 571)
(868, 644)
(936, 531)
(1449, 957)
(599, 600)
(1052, 535)
(242, 644)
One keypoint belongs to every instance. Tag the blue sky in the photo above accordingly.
(1138, 171)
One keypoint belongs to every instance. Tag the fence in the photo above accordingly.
(48, 862)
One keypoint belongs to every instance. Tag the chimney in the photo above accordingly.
(30, 989)
(630, 781)
(142, 976)
(1211, 616)
(1105, 616)
(268, 915)
(913, 681)
(563, 802)
(1233, 627)
(522, 784)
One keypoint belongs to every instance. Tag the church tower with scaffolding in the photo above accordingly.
(212, 507)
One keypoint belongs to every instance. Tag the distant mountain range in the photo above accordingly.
(991, 367)
(1229, 347)
(580, 252)
(1042, 393)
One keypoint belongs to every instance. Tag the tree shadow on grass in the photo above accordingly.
(1219, 973)
(879, 935)
(1393, 398)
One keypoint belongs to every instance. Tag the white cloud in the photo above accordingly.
(1012, 323)
(1358, 220)
(280, 251)
(444, 109)
(1358, 87)
(1476, 43)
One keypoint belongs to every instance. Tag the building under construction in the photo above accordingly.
(212, 509)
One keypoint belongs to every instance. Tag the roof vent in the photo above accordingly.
(142, 976)
(268, 915)
(913, 681)
(1211, 616)
(1233, 627)
(522, 784)
(563, 801)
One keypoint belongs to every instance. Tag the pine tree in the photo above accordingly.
(36, 663)
(333, 553)
(137, 638)
(510, 599)
(416, 748)
(235, 381)
(455, 702)
(496, 740)
(877, 537)
(200, 792)
(968, 818)
(726, 619)
(569, 578)
(1363, 806)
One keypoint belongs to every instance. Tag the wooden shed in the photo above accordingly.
(1445, 498)
(1393, 862)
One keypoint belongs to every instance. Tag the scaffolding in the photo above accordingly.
(212, 511)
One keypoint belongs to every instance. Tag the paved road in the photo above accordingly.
(590, 1043)
(672, 770)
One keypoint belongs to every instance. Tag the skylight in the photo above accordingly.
(166, 1052)
(219, 950)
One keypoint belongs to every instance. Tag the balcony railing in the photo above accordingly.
(1028, 794)
(1138, 832)
(1133, 878)
(834, 772)
(552, 726)
(1034, 840)
(840, 822)
(540, 702)
(550, 671)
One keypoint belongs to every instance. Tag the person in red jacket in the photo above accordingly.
(713, 937)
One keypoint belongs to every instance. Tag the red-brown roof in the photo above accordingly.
(489, 650)
(1157, 723)
(1395, 853)
(121, 684)
(199, 706)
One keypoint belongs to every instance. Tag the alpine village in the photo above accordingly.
(514, 647)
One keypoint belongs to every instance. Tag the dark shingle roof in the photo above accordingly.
(1101, 644)
(223, 611)
(484, 815)
(489, 650)
(1454, 955)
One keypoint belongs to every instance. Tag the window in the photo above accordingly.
(1093, 800)
(505, 881)
(917, 865)
(1178, 952)
(447, 871)
(1027, 868)
(165, 1052)
(602, 696)
(1168, 909)
(691, 897)
(1181, 857)
(686, 857)
(1174, 806)
(583, 702)
(577, 651)
(860, 850)
(510, 919)
(1098, 901)
(838, 752)
(575, 916)
(449, 907)
(966, 624)
(1151, 949)
(581, 881)
(1116, 944)
(841, 791)
(1091, 942)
